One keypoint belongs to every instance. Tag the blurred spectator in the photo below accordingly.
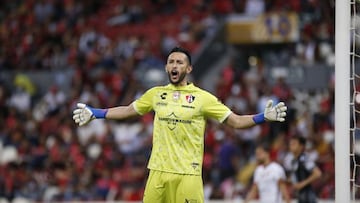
(308, 49)
(20, 100)
(254, 7)
(227, 156)
(87, 40)
(43, 10)
(282, 90)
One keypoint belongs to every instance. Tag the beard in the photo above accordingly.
(179, 79)
(260, 161)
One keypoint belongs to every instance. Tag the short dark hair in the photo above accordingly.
(265, 146)
(300, 139)
(181, 50)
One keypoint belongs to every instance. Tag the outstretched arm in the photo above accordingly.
(83, 114)
(271, 113)
(240, 121)
(121, 112)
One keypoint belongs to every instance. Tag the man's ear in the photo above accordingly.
(189, 69)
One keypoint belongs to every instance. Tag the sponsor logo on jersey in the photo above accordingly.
(191, 201)
(194, 165)
(161, 104)
(187, 106)
(172, 121)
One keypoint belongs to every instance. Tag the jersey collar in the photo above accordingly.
(173, 87)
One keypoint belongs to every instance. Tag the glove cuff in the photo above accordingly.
(259, 118)
(99, 113)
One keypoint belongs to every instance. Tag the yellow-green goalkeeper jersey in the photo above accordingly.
(179, 125)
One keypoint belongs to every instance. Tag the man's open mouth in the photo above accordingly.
(174, 74)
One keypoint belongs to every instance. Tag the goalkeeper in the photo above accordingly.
(181, 110)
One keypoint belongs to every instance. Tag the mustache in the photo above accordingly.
(181, 78)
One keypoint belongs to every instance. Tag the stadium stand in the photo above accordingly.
(55, 53)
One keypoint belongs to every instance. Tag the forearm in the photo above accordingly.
(240, 121)
(271, 113)
(120, 112)
(316, 173)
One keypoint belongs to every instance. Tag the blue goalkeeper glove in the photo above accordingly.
(83, 114)
(271, 113)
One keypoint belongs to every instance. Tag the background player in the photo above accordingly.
(269, 179)
(302, 170)
(181, 110)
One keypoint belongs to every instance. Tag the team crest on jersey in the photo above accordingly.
(190, 98)
(176, 95)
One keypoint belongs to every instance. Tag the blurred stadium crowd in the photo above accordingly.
(108, 46)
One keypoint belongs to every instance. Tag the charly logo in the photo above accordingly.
(163, 95)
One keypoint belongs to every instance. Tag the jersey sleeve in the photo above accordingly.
(213, 108)
(144, 104)
(287, 163)
(280, 175)
(309, 164)
(256, 176)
